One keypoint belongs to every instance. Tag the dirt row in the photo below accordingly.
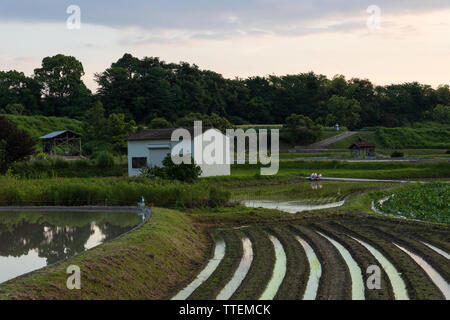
(335, 281)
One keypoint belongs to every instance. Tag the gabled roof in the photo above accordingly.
(363, 145)
(55, 134)
(159, 134)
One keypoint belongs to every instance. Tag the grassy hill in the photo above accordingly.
(38, 126)
(401, 138)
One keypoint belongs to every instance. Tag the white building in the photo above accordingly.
(150, 147)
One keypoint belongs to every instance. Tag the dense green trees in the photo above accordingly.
(213, 120)
(149, 88)
(63, 91)
(343, 111)
(159, 123)
(16, 88)
(441, 113)
(15, 144)
(301, 129)
(106, 133)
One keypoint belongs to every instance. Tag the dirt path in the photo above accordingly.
(325, 142)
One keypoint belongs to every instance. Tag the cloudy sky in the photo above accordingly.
(411, 42)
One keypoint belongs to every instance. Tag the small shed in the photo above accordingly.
(69, 142)
(363, 149)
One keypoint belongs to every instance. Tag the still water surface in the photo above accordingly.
(32, 240)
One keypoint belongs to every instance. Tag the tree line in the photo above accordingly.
(146, 89)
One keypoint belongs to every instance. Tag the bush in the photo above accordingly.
(218, 196)
(301, 129)
(182, 172)
(397, 154)
(61, 163)
(81, 164)
(105, 160)
(41, 165)
(15, 145)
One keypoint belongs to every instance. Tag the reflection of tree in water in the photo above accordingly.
(52, 242)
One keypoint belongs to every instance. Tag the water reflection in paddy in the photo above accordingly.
(32, 240)
(294, 198)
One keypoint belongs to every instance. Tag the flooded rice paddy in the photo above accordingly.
(241, 271)
(438, 280)
(355, 270)
(397, 283)
(303, 196)
(33, 240)
(315, 271)
(279, 271)
(212, 265)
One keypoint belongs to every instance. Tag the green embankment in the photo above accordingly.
(38, 126)
(144, 264)
(401, 138)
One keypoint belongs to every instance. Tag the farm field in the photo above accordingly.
(253, 253)
(428, 202)
(295, 276)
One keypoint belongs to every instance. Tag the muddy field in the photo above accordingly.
(329, 258)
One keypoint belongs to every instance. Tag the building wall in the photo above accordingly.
(155, 156)
(141, 149)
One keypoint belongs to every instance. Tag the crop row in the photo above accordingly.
(345, 251)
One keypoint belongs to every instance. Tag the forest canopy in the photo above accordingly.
(149, 88)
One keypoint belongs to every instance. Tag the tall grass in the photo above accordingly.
(108, 191)
(57, 167)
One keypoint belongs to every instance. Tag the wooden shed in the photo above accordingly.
(69, 142)
(363, 149)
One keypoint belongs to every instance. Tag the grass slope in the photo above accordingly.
(38, 126)
(401, 138)
(144, 264)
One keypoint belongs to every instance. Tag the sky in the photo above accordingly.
(385, 41)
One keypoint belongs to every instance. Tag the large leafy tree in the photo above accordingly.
(63, 90)
(106, 133)
(344, 111)
(301, 129)
(15, 144)
(16, 88)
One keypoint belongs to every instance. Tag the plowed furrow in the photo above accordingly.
(297, 274)
(364, 259)
(335, 282)
(417, 282)
(213, 263)
(241, 272)
(262, 266)
(436, 260)
(279, 270)
(223, 273)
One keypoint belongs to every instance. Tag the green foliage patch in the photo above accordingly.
(429, 202)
